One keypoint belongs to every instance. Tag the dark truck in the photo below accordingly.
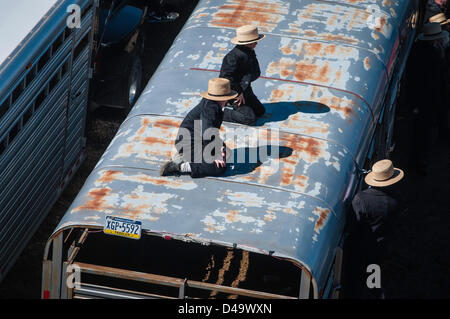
(119, 44)
(119, 47)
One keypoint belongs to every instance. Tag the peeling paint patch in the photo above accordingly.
(316, 190)
(322, 214)
(108, 176)
(367, 63)
(185, 104)
(151, 143)
(235, 13)
(244, 199)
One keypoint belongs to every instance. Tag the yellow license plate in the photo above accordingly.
(122, 227)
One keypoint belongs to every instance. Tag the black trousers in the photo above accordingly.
(245, 114)
(252, 101)
(239, 114)
(200, 166)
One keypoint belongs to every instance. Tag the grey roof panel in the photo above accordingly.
(324, 72)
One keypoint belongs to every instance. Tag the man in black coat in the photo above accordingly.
(374, 210)
(241, 67)
(201, 152)
(436, 6)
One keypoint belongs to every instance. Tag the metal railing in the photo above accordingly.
(83, 290)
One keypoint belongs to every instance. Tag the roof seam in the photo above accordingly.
(283, 80)
(256, 127)
(299, 38)
(97, 169)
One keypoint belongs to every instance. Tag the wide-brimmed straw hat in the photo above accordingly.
(439, 18)
(247, 34)
(383, 174)
(432, 31)
(219, 89)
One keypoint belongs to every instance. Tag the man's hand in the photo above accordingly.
(222, 163)
(240, 99)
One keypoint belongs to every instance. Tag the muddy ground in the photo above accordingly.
(420, 258)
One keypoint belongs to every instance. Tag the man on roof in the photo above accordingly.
(200, 151)
(241, 67)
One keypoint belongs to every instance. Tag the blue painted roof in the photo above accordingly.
(324, 73)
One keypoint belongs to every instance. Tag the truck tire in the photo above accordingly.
(134, 82)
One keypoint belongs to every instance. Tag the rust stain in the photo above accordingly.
(145, 122)
(232, 216)
(247, 178)
(287, 176)
(223, 270)
(166, 123)
(289, 211)
(308, 148)
(338, 37)
(323, 215)
(243, 269)
(337, 104)
(160, 181)
(382, 25)
(201, 15)
(269, 216)
(154, 140)
(311, 33)
(98, 199)
(133, 212)
(108, 176)
(302, 70)
(210, 227)
(300, 181)
(240, 12)
(305, 71)
(129, 149)
(276, 94)
(317, 49)
(209, 268)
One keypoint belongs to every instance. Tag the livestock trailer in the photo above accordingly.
(45, 56)
(271, 228)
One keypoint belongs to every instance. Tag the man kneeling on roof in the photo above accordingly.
(200, 151)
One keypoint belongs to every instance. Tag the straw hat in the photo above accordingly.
(247, 34)
(219, 90)
(432, 31)
(383, 174)
(439, 18)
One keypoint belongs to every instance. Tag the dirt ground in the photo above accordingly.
(420, 258)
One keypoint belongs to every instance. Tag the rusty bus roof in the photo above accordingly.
(322, 92)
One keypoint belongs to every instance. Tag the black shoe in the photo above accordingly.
(170, 168)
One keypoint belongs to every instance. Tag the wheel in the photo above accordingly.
(134, 83)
